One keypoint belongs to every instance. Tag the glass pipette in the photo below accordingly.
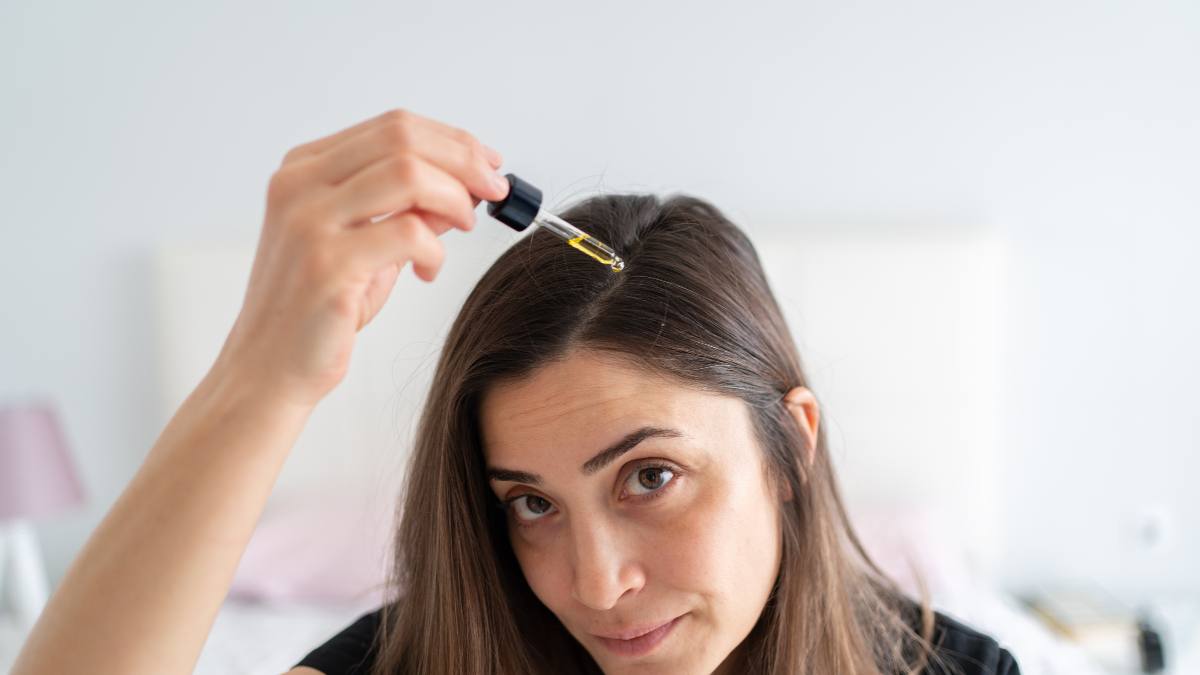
(523, 207)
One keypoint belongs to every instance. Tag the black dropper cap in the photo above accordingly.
(518, 209)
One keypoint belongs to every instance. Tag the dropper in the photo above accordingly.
(522, 207)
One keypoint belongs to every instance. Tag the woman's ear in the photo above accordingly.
(802, 405)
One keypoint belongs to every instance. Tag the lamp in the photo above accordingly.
(37, 479)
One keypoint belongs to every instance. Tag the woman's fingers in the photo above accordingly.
(462, 136)
(494, 157)
(335, 158)
(435, 222)
(377, 293)
(312, 148)
(398, 240)
(438, 224)
(403, 183)
(466, 161)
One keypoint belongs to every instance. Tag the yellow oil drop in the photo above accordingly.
(597, 250)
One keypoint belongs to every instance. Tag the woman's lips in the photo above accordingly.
(642, 644)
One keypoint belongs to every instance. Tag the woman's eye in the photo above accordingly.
(646, 480)
(649, 479)
(530, 507)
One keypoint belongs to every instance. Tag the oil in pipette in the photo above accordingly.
(522, 207)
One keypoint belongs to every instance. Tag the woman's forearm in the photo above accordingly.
(142, 594)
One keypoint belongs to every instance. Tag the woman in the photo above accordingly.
(613, 473)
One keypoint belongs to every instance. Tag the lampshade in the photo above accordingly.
(37, 476)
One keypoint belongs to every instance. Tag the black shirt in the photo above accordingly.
(965, 650)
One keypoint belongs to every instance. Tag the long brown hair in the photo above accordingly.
(692, 303)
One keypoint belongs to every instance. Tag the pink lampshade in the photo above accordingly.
(37, 476)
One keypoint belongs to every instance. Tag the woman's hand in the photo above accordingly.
(324, 265)
(142, 595)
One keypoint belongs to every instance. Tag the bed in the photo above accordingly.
(880, 314)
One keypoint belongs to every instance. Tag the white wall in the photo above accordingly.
(1069, 126)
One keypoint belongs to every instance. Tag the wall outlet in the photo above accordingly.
(1154, 530)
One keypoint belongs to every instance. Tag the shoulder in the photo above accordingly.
(963, 650)
(350, 652)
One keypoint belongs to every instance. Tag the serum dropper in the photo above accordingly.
(523, 207)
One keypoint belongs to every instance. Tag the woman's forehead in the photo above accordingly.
(583, 387)
(588, 399)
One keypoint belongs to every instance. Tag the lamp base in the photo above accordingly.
(24, 584)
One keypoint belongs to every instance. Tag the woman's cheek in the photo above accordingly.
(545, 570)
(686, 494)
(538, 536)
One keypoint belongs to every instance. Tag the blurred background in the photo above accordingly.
(980, 218)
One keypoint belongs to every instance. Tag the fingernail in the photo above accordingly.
(500, 182)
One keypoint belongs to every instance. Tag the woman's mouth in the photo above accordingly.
(642, 644)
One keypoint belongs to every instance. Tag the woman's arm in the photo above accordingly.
(142, 595)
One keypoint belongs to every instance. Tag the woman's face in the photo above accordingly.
(635, 501)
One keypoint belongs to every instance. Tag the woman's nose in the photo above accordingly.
(605, 567)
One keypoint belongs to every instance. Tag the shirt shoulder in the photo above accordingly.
(962, 650)
(350, 652)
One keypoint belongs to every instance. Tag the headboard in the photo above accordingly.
(897, 329)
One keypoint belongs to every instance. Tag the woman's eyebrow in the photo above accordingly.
(601, 460)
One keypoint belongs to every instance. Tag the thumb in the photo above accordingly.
(377, 292)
